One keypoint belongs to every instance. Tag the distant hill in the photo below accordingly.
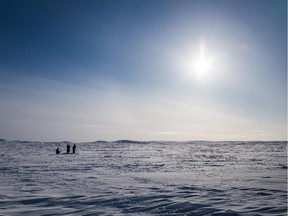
(130, 142)
(99, 141)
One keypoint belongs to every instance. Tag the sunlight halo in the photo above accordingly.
(203, 62)
(198, 62)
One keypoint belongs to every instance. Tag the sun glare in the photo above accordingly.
(202, 62)
(199, 63)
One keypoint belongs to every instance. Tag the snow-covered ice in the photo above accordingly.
(137, 178)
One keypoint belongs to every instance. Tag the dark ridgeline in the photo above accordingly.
(131, 142)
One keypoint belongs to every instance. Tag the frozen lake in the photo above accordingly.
(153, 178)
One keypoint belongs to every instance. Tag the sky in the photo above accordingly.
(170, 70)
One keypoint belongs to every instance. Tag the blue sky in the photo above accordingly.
(144, 70)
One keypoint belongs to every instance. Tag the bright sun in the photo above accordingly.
(202, 62)
(199, 62)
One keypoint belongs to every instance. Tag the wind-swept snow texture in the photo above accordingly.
(137, 178)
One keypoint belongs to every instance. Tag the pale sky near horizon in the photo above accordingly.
(143, 70)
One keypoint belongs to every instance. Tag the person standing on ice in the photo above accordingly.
(57, 151)
(68, 149)
(74, 149)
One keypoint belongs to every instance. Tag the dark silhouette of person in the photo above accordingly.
(74, 149)
(68, 149)
(57, 151)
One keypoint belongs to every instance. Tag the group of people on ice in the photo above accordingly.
(67, 149)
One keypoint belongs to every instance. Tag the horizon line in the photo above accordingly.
(137, 141)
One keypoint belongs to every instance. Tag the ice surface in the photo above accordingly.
(138, 178)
